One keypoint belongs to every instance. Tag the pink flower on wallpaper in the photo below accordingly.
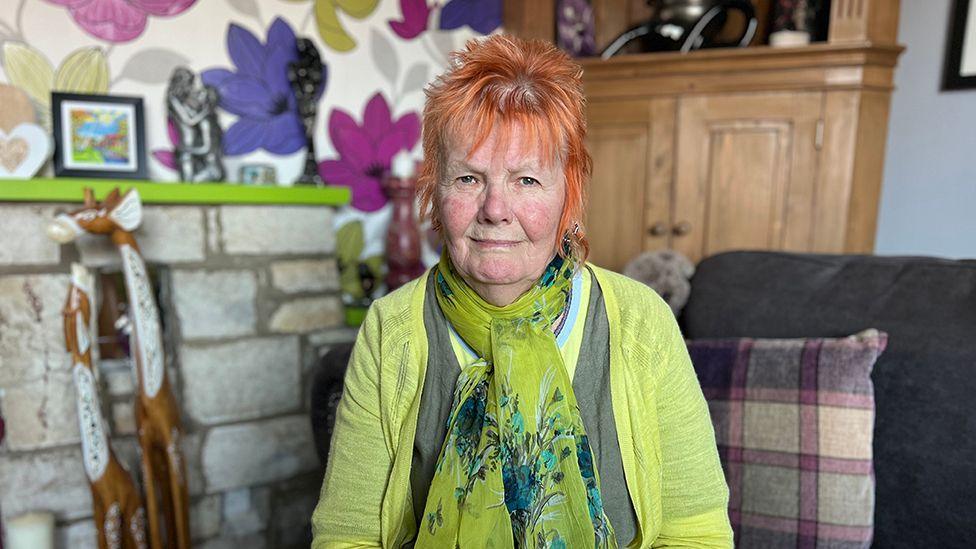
(365, 151)
(167, 157)
(414, 22)
(120, 20)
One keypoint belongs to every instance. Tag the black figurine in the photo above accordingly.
(193, 108)
(306, 76)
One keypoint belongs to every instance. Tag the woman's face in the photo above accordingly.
(500, 208)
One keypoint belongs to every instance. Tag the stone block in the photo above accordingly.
(241, 380)
(168, 234)
(213, 230)
(31, 333)
(24, 239)
(291, 521)
(77, 535)
(311, 275)
(246, 511)
(194, 468)
(255, 453)
(276, 230)
(250, 541)
(119, 376)
(214, 304)
(307, 315)
(41, 413)
(128, 453)
(205, 516)
(52, 480)
(123, 418)
(328, 338)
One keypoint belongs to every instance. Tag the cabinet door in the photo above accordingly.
(629, 200)
(745, 171)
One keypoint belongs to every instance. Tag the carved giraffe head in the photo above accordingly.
(115, 213)
(78, 309)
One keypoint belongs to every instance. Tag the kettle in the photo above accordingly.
(685, 25)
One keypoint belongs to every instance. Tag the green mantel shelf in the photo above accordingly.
(72, 190)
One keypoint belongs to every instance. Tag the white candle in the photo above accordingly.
(402, 166)
(30, 531)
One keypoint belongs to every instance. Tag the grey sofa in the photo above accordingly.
(925, 381)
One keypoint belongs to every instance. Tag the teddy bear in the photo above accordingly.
(667, 272)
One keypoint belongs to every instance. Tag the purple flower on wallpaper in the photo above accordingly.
(414, 21)
(167, 157)
(574, 24)
(259, 92)
(483, 16)
(365, 151)
(119, 20)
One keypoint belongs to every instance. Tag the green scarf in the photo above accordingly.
(516, 469)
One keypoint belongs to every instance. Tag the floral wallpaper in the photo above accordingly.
(377, 57)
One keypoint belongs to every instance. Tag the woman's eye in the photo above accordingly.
(528, 181)
(467, 180)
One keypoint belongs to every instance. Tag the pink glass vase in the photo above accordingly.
(403, 235)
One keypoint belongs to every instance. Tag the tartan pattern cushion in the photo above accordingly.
(794, 421)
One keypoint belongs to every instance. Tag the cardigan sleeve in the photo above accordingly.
(360, 460)
(694, 495)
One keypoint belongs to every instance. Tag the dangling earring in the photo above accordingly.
(567, 239)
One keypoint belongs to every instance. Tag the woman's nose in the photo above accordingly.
(496, 207)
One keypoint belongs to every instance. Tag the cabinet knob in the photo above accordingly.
(658, 229)
(681, 228)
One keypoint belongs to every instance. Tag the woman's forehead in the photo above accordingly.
(518, 145)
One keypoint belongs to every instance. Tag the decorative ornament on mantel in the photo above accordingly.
(23, 151)
(192, 108)
(306, 76)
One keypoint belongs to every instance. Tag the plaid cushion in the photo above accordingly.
(794, 421)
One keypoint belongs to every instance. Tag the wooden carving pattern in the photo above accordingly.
(158, 420)
(115, 498)
(94, 442)
(146, 317)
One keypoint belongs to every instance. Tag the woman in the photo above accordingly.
(516, 396)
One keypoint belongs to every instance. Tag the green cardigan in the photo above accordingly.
(666, 440)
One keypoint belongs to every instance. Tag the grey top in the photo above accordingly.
(591, 384)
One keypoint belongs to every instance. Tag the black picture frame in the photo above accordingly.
(952, 76)
(129, 165)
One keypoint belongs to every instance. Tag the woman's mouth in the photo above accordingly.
(492, 243)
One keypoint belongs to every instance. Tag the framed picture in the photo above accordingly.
(960, 59)
(98, 136)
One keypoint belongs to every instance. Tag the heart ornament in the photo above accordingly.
(23, 151)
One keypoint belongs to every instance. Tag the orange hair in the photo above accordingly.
(506, 81)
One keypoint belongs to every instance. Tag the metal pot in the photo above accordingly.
(685, 25)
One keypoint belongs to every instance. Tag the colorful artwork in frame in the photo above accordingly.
(98, 136)
(959, 71)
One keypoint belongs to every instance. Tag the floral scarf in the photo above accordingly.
(516, 469)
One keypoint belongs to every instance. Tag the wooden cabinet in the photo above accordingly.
(755, 148)
(745, 167)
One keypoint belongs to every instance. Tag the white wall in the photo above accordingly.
(928, 200)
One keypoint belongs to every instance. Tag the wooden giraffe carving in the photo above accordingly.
(120, 518)
(157, 413)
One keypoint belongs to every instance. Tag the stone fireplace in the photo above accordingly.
(249, 297)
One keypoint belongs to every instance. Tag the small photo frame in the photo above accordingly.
(258, 174)
(98, 136)
(960, 58)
